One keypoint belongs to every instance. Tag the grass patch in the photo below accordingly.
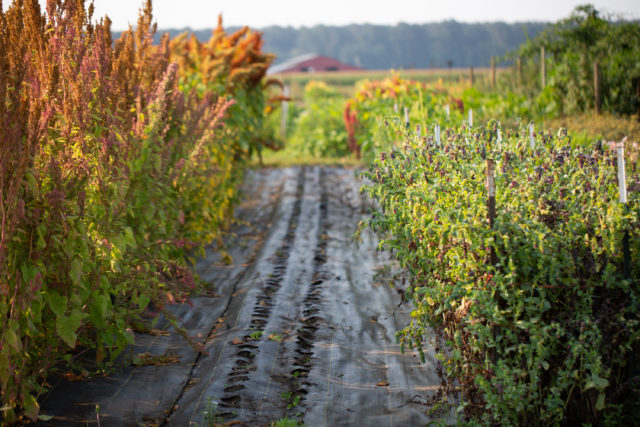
(287, 422)
(285, 158)
(601, 126)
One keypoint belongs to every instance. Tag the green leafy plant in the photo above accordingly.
(572, 46)
(539, 316)
(256, 335)
(211, 415)
(287, 422)
(318, 129)
(294, 402)
(114, 170)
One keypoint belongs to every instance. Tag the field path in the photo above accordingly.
(301, 324)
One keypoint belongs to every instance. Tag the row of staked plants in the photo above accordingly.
(539, 315)
(117, 159)
(366, 113)
(328, 124)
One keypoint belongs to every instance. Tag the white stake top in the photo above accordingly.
(622, 176)
(491, 184)
(532, 140)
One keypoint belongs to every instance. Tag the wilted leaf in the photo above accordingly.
(146, 359)
(275, 337)
(159, 332)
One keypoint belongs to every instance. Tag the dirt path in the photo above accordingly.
(299, 325)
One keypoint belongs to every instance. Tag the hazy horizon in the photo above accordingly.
(202, 14)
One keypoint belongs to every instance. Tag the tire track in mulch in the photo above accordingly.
(309, 318)
(247, 351)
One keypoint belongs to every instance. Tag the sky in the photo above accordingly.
(198, 14)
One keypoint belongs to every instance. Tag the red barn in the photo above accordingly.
(309, 63)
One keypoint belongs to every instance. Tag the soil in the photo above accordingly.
(300, 324)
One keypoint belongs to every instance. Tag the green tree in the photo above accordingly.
(572, 47)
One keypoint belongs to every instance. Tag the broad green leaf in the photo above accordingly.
(57, 303)
(42, 232)
(600, 403)
(129, 238)
(13, 340)
(32, 184)
(31, 407)
(597, 383)
(143, 301)
(69, 247)
(29, 272)
(66, 326)
(98, 311)
(76, 271)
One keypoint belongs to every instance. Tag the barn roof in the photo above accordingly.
(311, 62)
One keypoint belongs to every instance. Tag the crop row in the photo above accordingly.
(539, 303)
(114, 165)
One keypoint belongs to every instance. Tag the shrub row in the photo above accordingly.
(422, 105)
(539, 315)
(114, 163)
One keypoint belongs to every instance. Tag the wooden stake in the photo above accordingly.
(637, 80)
(470, 118)
(622, 176)
(622, 197)
(596, 86)
(493, 72)
(491, 204)
(406, 117)
(519, 70)
(285, 112)
(493, 258)
(532, 140)
(543, 71)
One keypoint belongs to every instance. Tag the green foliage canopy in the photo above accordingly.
(573, 45)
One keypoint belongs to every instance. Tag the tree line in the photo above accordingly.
(432, 45)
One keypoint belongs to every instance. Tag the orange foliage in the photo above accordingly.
(234, 60)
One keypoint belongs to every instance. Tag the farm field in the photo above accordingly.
(584, 125)
(189, 240)
(301, 325)
(345, 81)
